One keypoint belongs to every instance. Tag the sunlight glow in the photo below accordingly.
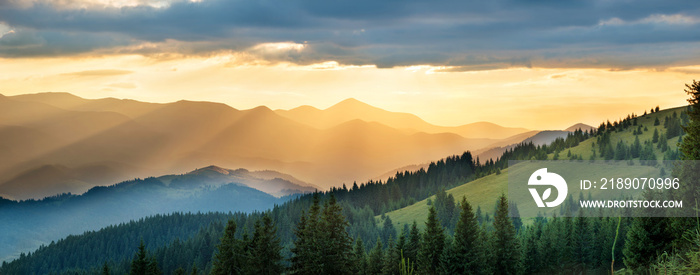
(534, 98)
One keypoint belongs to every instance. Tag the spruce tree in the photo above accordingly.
(388, 230)
(300, 251)
(307, 250)
(531, 261)
(392, 259)
(487, 263)
(376, 259)
(505, 246)
(139, 264)
(655, 136)
(448, 260)
(265, 248)
(105, 269)
(432, 245)
(636, 147)
(228, 258)
(401, 243)
(582, 241)
(152, 267)
(413, 245)
(688, 171)
(336, 244)
(468, 248)
(647, 238)
(359, 258)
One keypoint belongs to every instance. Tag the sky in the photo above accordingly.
(533, 64)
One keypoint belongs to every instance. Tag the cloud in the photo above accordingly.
(100, 73)
(461, 35)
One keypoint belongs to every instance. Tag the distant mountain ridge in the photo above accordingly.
(212, 188)
(582, 126)
(541, 138)
(271, 182)
(351, 109)
(123, 139)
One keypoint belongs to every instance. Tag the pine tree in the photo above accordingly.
(531, 262)
(376, 259)
(402, 242)
(448, 259)
(105, 269)
(392, 259)
(432, 245)
(468, 248)
(582, 241)
(690, 147)
(636, 147)
(647, 238)
(413, 245)
(336, 244)
(655, 137)
(180, 271)
(265, 248)
(388, 230)
(663, 142)
(306, 257)
(688, 171)
(152, 267)
(139, 264)
(228, 258)
(505, 245)
(360, 258)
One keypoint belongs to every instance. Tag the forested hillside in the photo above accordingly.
(36, 222)
(348, 230)
(360, 203)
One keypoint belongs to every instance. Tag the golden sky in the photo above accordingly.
(534, 64)
(535, 98)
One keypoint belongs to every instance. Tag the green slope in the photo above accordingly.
(484, 191)
(584, 148)
(481, 192)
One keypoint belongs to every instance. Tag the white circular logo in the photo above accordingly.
(541, 177)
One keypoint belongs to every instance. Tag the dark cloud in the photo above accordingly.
(467, 35)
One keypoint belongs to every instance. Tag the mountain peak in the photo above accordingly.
(211, 168)
(351, 103)
(577, 126)
(261, 108)
(260, 112)
(303, 108)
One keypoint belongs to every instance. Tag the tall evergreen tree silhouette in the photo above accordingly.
(505, 246)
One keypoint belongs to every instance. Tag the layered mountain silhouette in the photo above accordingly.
(58, 142)
(351, 109)
(206, 189)
(536, 137)
(583, 127)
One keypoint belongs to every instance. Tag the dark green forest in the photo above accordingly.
(337, 232)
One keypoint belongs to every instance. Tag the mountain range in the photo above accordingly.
(212, 188)
(58, 142)
(351, 109)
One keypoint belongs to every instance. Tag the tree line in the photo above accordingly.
(342, 236)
